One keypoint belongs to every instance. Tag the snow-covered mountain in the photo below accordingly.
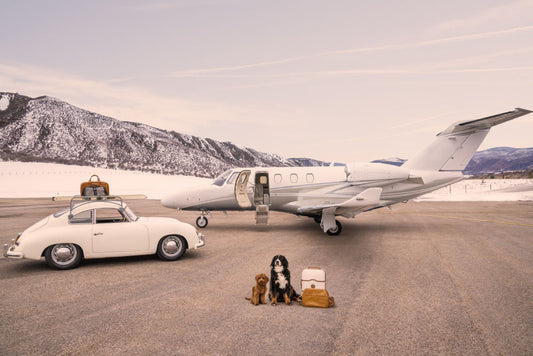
(45, 129)
(501, 159)
(493, 160)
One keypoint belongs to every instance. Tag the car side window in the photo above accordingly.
(85, 217)
(109, 215)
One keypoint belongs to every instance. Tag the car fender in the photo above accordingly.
(33, 244)
(159, 227)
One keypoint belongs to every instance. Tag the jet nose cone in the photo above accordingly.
(171, 201)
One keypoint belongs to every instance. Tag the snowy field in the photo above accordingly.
(30, 180)
(484, 190)
(39, 180)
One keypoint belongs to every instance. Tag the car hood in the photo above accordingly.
(38, 224)
(158, 220)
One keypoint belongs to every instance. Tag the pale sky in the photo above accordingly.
(332, 80)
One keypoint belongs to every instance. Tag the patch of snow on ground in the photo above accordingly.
(4, 102)
(40, 180)
(484, 190)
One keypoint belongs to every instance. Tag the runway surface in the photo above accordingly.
(424, 278)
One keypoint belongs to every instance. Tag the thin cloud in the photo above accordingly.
(358, 72)
(210, 72)
(129, 103)
(504, 14)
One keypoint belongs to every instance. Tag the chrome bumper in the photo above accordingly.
(10, 253)
(201, 242)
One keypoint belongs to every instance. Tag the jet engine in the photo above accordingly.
(375, 174)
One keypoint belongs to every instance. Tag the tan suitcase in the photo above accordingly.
(313, 277)
(94, 187)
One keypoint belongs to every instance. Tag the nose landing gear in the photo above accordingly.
(202, 221)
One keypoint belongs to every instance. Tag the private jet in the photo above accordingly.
(323, 193)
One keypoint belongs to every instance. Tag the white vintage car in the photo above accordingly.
(102, 227)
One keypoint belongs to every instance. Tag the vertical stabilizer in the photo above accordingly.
(453, 148)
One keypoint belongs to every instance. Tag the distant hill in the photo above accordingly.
(501, 159)
(45, 129)
(493, 160)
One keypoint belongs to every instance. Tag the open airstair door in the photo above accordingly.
(241, 185)
(261, 198)
(262, 189)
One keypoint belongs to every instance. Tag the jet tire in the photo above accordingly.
(336, 230)
(201, 222)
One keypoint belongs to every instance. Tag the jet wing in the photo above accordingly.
(362, 201)
(484, 123)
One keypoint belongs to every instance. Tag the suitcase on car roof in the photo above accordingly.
(313, 277)
(94, 187)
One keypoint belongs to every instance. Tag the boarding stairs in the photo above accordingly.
(262, 213)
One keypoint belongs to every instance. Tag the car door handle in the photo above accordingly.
(98, 233)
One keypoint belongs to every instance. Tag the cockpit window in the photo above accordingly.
(222, 178)
(233, 177)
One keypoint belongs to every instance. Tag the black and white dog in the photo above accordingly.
(281, 289)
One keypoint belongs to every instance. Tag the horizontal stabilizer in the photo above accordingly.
(484, 123)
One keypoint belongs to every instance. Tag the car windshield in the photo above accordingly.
(222, 178)
(130, 214)
(59, 213)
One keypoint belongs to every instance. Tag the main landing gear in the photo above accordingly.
(332, 231)
(335, 230)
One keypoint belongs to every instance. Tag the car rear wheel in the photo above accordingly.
(171, 248)
(63, 256)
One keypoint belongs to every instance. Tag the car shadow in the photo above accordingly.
(12, 269)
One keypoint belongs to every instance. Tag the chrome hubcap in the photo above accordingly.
(64, 253)
(171, 245)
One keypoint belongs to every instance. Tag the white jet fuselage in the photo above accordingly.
(306, 190)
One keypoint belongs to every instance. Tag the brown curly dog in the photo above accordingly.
(259, 290)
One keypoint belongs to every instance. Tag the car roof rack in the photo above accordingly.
(90, 198)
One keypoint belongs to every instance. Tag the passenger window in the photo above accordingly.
(108, 215)
(310, 178)
(277, 178)
(85, 217)
(294, 178)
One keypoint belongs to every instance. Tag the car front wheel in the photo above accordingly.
(171, 248)
(63, 256)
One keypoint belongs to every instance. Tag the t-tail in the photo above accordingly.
(454, 147)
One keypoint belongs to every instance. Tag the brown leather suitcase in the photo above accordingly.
(94, 187)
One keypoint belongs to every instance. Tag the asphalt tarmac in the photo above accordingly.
(424, 278)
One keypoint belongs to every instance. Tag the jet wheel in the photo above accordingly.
(336, 230)
(201, 222)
